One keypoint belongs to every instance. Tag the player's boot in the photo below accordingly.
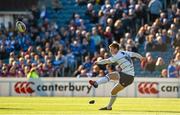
(105, 108)
(93, 83)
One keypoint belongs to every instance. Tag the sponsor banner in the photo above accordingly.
(157, 87)
(45, 88)
(5, 89)
(169, 90)
(141, 87)
(147, 89)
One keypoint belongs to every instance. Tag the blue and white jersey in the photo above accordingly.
(123, 58)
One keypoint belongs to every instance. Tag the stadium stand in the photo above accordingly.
(65, 37)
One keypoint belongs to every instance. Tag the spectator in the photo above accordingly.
(150, 64)
(58, 64)
(172, 73)
(70, 61)
(89, 9)
(83, 73)
(126, 21)
(102, 52)
(164, 73)
(82, 24)
(132, 21)
(77, 19)
(5, 71)
(100, 2)
(118, 30)
(155, 7)
(164, 36)
(160, 46)
(81, 2)
(96, 38)
(109, 69)
(130, 44)
(13, 70)
(177, 50)
(95, 71)
(109, 22)
(171, 35)
(140, 37)
(3, 53)
(76, 50)
(177, 57)
(94, 17)
(176, 41)
(56, 4)
(78, 71)
(160, 64)
(101, 73)
(118, 11)
(149, 44)
(106, 55)
(85, 47)
(33, 74)
(1, 65)
(122, 43)
(143, 62)
(176, 22)
(26, 70)
(92, 45)
(165, 24)
(87, 64)
(43, 13)
(108, 36)
(141, 12)
(102, 18)
(94, 58)
(44, 72)
(50, 68)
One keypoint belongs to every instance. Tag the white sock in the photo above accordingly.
(112, 100)
(102, 80)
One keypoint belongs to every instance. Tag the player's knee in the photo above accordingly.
(113, 92)
(116, 89)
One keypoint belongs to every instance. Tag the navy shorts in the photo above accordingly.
(125, 79)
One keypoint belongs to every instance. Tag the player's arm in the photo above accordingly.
(111, 59)
(136, 55)
(103, 61)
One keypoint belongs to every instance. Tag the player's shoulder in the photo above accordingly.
(124, 53)
(119, 54)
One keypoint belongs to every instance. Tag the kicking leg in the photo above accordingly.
(105, 79)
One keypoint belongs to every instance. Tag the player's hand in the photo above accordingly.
(142, 59)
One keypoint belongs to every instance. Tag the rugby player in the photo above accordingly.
(125, 75)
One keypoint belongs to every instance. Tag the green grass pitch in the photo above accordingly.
(80, 106)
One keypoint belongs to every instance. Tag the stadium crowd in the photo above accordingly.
(55, 51)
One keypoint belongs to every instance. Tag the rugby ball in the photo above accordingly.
(92, 102)
(20, 26)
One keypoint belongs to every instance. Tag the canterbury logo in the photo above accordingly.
(23, 87)
(148, 87)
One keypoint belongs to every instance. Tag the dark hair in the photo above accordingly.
(114, 45)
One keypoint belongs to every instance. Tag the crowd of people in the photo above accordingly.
(54, 51)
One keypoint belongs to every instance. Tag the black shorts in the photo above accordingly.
(125, 79)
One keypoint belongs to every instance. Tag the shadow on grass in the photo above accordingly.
(150, 111)
(8, 108)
